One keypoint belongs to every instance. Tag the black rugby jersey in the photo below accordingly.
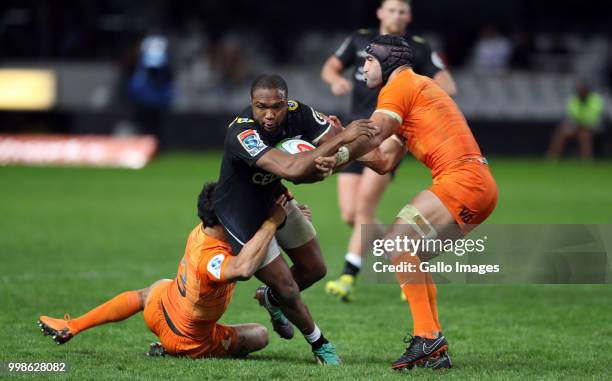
(245, 193)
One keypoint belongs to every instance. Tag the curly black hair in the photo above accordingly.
(206, 211)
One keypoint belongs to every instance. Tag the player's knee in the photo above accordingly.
(365, 212)
(261, 338)
(288, 293)
(348, 216)
(317, 271)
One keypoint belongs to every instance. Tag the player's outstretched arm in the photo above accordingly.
(384, 125)
(300, 168)
(244, 265)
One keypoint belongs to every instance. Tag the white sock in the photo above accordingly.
(353, 259)
(314, 336)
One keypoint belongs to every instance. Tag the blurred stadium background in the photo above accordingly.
(72, 237)
(515, 62)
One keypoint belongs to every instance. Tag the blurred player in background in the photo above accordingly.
(183, 312)
(249, 182)
(359, 188)
(414, 114)
(585, 110)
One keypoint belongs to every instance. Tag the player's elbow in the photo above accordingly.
(376, 140)
(240, 269)
(296, 171)
(381, 170)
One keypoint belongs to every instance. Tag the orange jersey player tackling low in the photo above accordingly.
(415, 114)
(183, 312)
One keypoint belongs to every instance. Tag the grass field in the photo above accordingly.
(72, 238)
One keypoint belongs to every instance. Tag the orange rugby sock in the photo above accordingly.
(416, 289)
(118, 308)
(424, 324)
(432, 293)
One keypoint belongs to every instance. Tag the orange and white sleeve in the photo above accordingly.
(392, 101)
(213, 267)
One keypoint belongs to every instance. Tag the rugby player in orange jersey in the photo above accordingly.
(183, 312)
(360, 189)
(415, 114)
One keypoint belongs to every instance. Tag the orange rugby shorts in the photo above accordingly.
(468, 191)
(219, 343)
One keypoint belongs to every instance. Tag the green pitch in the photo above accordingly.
(72, 238)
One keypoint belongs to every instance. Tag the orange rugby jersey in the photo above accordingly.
(432, 125)
(199, 295)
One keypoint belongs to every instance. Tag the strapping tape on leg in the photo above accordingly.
(420, 224)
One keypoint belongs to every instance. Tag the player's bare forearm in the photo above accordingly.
(386, 157)
(254, 251)
(332, 75)
(301, 168)
(306, 169)
(385, 127)
(376, 161)
(332, 70)
(247, 261)
(362, 146)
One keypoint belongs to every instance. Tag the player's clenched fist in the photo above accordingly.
(341, 87)
(325, 164)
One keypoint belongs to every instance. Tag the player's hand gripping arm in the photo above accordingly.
(382, 159)
(300, 168)
(244, 265)
(385, 126)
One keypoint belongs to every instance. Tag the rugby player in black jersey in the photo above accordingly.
(360, 188)
(250, 181)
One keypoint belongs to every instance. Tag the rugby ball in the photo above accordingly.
(293, 146)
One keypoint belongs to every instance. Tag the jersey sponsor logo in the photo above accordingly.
(437, 61)
(318, 117)
(251, 142)
(214, 265)
(263, 178)
(292, 105)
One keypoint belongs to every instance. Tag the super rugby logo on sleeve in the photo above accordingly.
(251, 142)
(214, 265)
